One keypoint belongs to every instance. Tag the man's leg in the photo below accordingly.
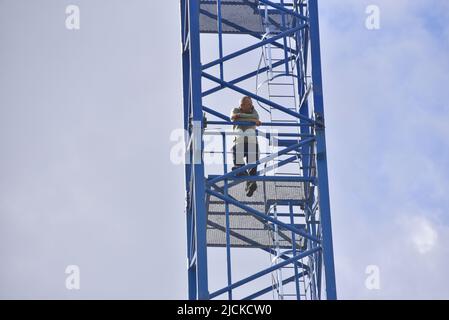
(252, 155)
(238, 157)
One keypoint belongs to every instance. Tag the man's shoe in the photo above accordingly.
(250, 189)
(240, 174)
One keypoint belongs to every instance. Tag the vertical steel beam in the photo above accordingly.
(323, 185)
(198, 184)
(228, 226)
(188, 157)
(220, 38)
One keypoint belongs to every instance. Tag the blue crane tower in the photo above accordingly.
(288, 217)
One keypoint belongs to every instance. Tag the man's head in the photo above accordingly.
(246, 104)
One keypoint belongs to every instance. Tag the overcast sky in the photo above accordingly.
(85, 172)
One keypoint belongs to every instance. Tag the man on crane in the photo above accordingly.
(245, 143)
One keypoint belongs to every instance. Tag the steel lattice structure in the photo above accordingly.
(289, 216)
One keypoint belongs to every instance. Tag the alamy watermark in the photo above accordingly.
(372, 21)
(372, 281)
(73, 279)
(208, 147)
(72, 20)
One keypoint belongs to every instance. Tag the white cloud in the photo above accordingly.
(420, 233)
(387, 114)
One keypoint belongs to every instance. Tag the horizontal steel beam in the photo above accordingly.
(253, 47)
(285, 10)
(247, 76)
(264, 124)
(264, 160)
(270, 288)
(263, 272)
(262, 216)
(258, 98)
(267, 178)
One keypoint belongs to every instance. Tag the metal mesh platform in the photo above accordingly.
(239, 17)
(246, 230)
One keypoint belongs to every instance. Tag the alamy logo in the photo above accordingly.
(373, 20)
(372, 281)
(72, 21)
(72, 282)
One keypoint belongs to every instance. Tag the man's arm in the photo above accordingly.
(245, 117)
(251, 117)
(235, 114)
(256, 121)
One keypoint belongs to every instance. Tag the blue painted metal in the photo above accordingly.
(220, 38)
(263, 216)
(264, 124)
(270, 288)
(252, 47)
(277, 178)
(192, 279)
(284, 40)
(256, 97)
(197, 180)
(217, 114)
(264, 272)
(324, 201)
(244, 77)
(244, 30)
(295, 250)
(306, 148)
(283, 9)
(228, 236)
(252, 165)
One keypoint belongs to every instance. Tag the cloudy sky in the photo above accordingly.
(85, 172)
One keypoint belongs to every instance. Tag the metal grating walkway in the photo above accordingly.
(239, 17)
(247, 230)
